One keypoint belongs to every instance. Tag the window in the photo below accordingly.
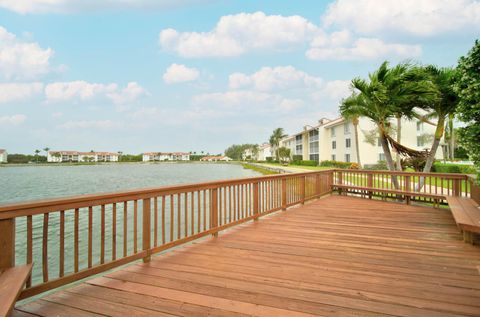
(298, 139)
(333, 132)
(419, 126)
(314, 157)
(346, 128)
(313, 135)
(314, 147)
(381, 157)
(348, 143)
(334, 145)
(347, 157)
(299, 149)
(334, 157)
(420, 141)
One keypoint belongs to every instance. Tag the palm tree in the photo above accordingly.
(441, 107)
(275, 138)
(36, 155)
(46, 149)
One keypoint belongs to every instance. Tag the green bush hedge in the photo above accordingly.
(453, 168)
(305, 163)
(336, 164)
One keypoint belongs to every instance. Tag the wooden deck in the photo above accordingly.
(337, 256)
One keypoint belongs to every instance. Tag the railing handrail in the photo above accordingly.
(33, 207)
(449, 175)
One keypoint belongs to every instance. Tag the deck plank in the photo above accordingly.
(337, 256)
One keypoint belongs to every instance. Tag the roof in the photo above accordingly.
(166, 153)
(2, 151)
(81, 153)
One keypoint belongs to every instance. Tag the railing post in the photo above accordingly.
(408, 188)
(340, 181)
(146, 230)
(370, 184)
(456, 187)
(214, 210)
(255, 201)
(7, 243)
(284, 193)
(302, 189)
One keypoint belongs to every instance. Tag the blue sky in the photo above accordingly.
(191, 75)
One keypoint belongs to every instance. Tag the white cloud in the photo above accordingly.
(176, 73)
(13, 119)
(129, 94)
(271, 78)
(71, 6)
(87, 124)
(364, 49)
(417, 17)
(19, 91)
(334, 90)
(237, 34)
(20, 59)
(64, 91)
(82, 90)
(246, 100)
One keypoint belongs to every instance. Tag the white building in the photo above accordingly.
(3, 156)
(76, 156)
(215, 159)
(164, 156)
(264, 152)
(335, 140)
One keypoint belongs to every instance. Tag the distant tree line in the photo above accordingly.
(26, 158)
(235, 151)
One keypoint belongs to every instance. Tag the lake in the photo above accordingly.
(22, 183)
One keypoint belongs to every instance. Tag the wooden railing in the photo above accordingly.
(424, 187)
(72, 238)
(474, 189)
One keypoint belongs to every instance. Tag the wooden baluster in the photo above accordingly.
(192, 212)
(102, 237)
(230, 203)
(255, 200)
(302, 189)
(204, 210)
(125, 228)
(29, 246)
(199, 210)
(146, 229)
(76, 238)
(214, 210)
(235, 216)
(7, 243)
(62, 245)
(155, 221)
(284, 193)
(242, 201)
(45, 248)
(163, 219)
(186, 215)
(456, 187)
(179, 216)
(171, 218)
(114, 231)
(90, 229)
(370, 185)
(135, 225)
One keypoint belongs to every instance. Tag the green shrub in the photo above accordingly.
(336, 164)
(453, 168)
(305, 163)
(297, 157)
(269, 159)
(380, 166)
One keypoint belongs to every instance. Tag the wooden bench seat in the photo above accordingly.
(12, 281)
(407, 194)
(466, 213)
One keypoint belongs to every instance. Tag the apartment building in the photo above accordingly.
(215, 159)
(165, 156)
(264, 152)
(335, 140)
(3, 156)
(76, 156)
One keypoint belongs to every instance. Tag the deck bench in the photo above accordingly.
(408, 194)
(466, 213)
(12, 281)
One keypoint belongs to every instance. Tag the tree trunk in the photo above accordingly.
(399, 139)
(452, 136)
(433, 150)
(388, 156)
(357, 145)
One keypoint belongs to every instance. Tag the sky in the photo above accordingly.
(199, 75)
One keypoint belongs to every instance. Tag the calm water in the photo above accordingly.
(39, 182)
